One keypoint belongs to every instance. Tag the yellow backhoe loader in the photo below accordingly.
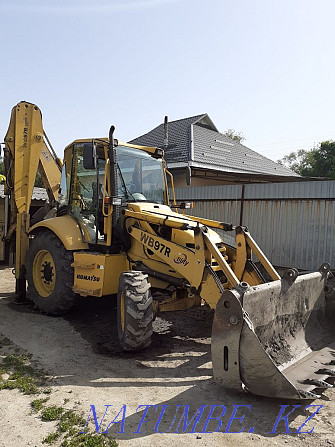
(111, 229)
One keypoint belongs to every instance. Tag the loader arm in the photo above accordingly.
(27, 151)
(195, 264)
(274, 338)
(246, 245)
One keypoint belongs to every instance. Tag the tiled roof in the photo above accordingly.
(222, 152)
(179, 139)
(38, 193)
(210, 150)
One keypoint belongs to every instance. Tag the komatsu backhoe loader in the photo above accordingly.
(111, 229)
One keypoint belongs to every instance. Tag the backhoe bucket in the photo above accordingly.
(277, 339)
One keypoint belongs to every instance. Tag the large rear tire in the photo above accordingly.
(49, 274)
(134, 311)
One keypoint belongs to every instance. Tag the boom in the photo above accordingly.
(25, 154)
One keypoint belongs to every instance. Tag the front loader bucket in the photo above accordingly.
(276, 338)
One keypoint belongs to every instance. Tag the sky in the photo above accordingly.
(261, 67)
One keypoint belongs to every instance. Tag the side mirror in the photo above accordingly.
(89, 156)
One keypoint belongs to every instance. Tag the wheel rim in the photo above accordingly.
(44, 273)
(122, 311)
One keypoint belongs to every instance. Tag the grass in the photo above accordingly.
(51, 413)
(22, 375)
(51, 438)
(70, 419)
(69, 423)
(89, 440)
(18, 372)
(20, 363)
(38, 404)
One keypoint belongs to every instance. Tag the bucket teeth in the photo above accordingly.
(318, 383)
(308, 395)
(328, 372)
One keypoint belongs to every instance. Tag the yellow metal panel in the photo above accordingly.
(190, 265)
(210, 291)
(97, 274)
(115, 265)
(241, 255)
(66, 228)
(50, 172)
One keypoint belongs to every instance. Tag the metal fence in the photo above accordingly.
(294, 223)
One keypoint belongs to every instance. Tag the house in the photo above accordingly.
(198, 154)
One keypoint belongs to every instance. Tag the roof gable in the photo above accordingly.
(206, 122)
(196, 141)
(179, 137)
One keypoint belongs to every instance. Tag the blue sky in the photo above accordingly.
(262, 67)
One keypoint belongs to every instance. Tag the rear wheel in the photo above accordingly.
(134, 311)
(49, 274)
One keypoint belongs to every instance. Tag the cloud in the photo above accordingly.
(82, 7)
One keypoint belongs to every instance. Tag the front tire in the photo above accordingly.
(49, 274)
(134, 311)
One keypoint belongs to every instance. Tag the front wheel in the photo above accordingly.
(134, 311)
(49, 274)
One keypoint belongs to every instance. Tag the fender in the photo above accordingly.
(66, 229)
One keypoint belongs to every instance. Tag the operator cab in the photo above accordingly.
(85, 190)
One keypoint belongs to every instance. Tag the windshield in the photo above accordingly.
(141, 177)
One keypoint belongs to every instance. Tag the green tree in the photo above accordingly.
(300, 161)
(38, 179)
(234, 135)
(317, 162)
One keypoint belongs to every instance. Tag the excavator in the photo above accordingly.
(110, 227)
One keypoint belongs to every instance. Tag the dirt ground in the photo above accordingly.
(80, 354)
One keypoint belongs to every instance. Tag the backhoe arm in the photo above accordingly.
(26, 153)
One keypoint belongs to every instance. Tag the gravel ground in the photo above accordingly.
(81, 355)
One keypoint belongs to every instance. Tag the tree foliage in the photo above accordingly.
(317, 162)
(38, 179)
(234, 135)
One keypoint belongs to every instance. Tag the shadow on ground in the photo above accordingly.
(182, 338)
